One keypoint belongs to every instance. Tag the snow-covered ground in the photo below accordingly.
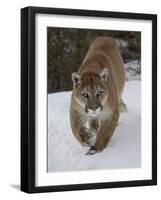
(123, 151)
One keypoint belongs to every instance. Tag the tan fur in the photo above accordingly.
(103, 57)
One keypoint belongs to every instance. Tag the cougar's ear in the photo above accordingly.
(104, 74)
(76, 79)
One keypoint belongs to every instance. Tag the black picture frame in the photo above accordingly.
(28, 99)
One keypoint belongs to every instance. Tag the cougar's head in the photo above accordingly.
(90, 91)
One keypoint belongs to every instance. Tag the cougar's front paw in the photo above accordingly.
(91, 151)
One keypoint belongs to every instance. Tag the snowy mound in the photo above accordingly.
(133, 70)
(123, 151)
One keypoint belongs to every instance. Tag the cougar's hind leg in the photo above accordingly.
(122, 106)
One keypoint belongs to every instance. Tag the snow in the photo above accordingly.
(123, 151)
(121, 43)
(133, 70)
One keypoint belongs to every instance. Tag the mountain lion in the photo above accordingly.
(96, 98)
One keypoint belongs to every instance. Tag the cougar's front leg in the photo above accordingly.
(92, 129)
(105, 133)
(80, 132)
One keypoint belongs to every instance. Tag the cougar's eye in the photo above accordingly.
(85, 94)
(99, 93)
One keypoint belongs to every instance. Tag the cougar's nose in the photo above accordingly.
(93, 108)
